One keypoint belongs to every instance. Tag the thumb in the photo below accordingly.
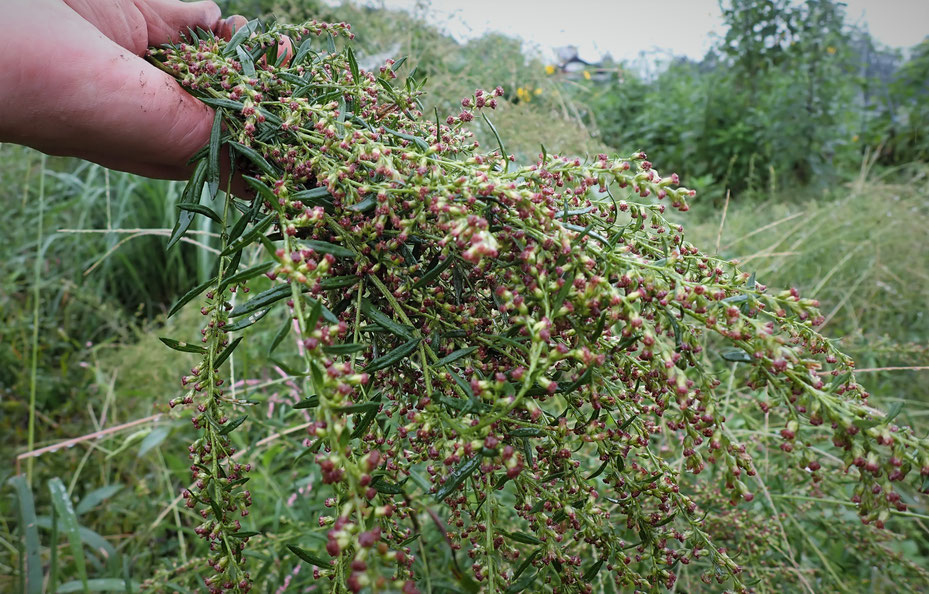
(167, 19)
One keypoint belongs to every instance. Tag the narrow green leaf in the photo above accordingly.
(231, 426)
(262, 300)
(592, 572)
(364, 205)
(96, 497)
(522, 537)
(226, 352)
(253, 234)
(184, 347)
(454, 356)
(310, 402)
(893, 411)
(599, 471)
(248, 320)
(241, 35)
(245, 534)
(457, 477)
(522, 585)
(190, 296)
(665, 521)
(96, 585)
(244, 275)
(309, 557)
(737, 356)
(353, 65)
(527, 432)
(212, 171)
(360, 407)
(344, 349)
(62, 502)
(191, 195)
(394, 356)
(324, 247)
(506, 159)
(362, 426)
(522, 567)
(252, 155)
(154, 439)
(384, 321)
(248, 65)
(382, 486)
(30, 530)
(434, 272)
(282, 332)
(339, 282)
(201, 209)
(315, 196)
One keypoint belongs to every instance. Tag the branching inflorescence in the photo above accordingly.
(474, 331)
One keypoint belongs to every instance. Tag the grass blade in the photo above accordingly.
(30, 529)
(62, 502)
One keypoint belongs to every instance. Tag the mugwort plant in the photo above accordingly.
(520, 357)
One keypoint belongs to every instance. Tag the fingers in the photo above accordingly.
(167, 19)
(229, 26)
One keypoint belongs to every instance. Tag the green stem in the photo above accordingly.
(36, 277)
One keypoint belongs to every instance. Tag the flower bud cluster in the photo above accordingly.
(470, 327)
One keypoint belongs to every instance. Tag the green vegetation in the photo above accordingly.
(828, 193)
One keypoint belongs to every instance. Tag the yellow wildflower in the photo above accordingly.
(549, 69)
(830, 50)
(587, 74)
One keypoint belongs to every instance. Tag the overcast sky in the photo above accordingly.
(624, 28)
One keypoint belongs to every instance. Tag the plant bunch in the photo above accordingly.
(516, 355)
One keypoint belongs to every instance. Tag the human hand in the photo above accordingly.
(73, 81)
